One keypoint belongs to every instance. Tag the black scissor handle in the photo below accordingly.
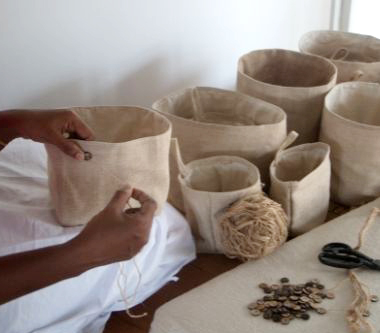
(344, 256)
(336, 246)
(336, 261)
(345, 251)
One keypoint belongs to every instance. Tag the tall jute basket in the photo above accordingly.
(351, 126)
(294, 81)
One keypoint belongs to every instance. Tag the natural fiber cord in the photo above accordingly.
(359, 307)
(253, 227)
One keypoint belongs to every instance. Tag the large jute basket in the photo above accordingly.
(300, 182)
(356, 56)
(209, 122)
(209, 186)
(294, 81)
(131, 147)
(351, 126)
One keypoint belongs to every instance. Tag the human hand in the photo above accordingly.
(116, 234)
(46, 127)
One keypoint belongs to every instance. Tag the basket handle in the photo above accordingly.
(340, 54)
(291, 137)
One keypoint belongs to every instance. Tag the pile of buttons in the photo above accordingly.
(285, 302)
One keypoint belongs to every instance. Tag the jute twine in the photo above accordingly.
(122, 289)
(359, 307)
(253, 227)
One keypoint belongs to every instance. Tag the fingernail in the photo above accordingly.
(79, 156)
(126, 188)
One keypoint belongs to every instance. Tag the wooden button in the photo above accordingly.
(276, 318)
(374, 298)
(321, 311)
(268, 314)
(255, 313)
(366, 313)
(285, 321)
(252, 306)
(330, 295)
(305, 316)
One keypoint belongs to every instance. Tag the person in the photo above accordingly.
(114, 234)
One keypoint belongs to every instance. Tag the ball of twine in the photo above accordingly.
(253, 227)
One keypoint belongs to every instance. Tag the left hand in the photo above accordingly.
(46, 127)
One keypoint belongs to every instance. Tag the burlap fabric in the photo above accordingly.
(220, 305)
(294, 81)
(300, 182)
(209, 186)
(131, 147)
(356, 56)
(210, 122)
(351, 126)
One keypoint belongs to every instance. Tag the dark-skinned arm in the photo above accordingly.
(112, 235)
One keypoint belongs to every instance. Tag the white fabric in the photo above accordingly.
(220, 305)
(81, 304)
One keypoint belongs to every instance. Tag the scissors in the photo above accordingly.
(344, 256)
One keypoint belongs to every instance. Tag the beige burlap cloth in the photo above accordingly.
(219, 306)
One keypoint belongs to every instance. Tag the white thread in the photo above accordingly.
(122, 274)
(123, 292)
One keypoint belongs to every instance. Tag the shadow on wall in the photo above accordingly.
(143, 86)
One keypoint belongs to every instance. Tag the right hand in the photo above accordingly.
(116, 234)
(46, 126)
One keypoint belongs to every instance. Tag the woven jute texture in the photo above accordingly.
(356, 56)
(209, 186)
(300, 182)
(131, 147)
(209, 122)
(294, 81)
(351, 126)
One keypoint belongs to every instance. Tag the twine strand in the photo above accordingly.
(355, 314)
(123, 292)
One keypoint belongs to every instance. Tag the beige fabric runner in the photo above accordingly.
(219, 306)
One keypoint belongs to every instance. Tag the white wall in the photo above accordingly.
(98, 52)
